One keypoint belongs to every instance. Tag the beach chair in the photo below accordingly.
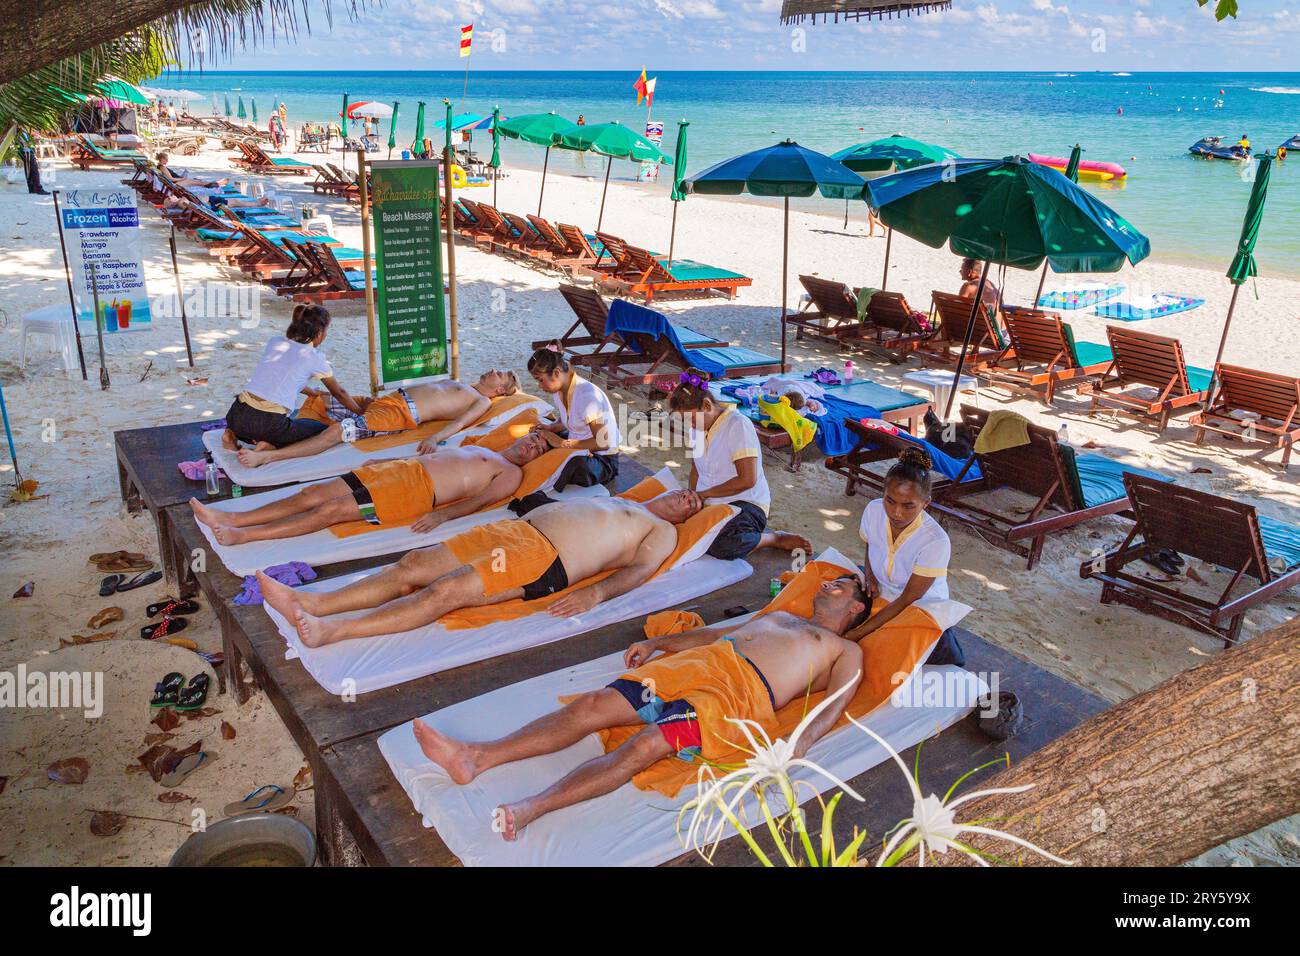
(86, 153)
(1151, 362)
(1229, 534)
(328, 280)
(587, 260)
(554, 246)
(526, 239)
(833, 316)
(1045, 355)
(1068, 488)
(588, 329)
(266, 257)
(894, 325)
(1272, 401)
(256, 159)
(950, 314)
(874, 446)
(493, 232)
(640, 273)
(329, 182)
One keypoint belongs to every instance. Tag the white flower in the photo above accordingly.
(933, 826)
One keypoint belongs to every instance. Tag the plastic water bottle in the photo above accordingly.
(211, 476)
(1063, 435)
(848, 371)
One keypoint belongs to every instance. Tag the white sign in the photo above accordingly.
(654, 131)
(101, 227)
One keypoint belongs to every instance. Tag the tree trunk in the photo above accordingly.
(1209, 755)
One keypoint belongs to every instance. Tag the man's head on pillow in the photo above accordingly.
(497, 383)
(528, 448)
(675, 506)
(842, 600)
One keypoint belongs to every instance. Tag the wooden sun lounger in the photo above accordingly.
(950, 315)
(555, 248)
(641, 274)
(328, 281)
(86, 153)
(1150, 361)
(833, 316)
(895, 328)
(1197, 525)
(587, 261)
(588, 329)
(526, 239)
(1039, 470)
(1044, 355)
(253, 157)
(1273, 398)
(873, 446)
(330, 183)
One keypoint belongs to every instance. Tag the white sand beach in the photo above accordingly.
(64, 431)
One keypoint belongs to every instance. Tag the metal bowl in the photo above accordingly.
(253, 839)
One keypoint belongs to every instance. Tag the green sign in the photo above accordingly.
(409, 307)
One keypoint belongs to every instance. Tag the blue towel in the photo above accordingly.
(1281, 540)
(625, 316)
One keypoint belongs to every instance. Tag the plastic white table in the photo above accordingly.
(938, 382)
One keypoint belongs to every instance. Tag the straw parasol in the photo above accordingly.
(796, 11)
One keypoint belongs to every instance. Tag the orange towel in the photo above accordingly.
(400, 489)
(426, 429)
(671, 622)
(389, 413)
(507, 433)
(317, 408)
(504, 554)
(890, 653)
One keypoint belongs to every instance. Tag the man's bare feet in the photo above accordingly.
(228, 440)
(786, 541)
(253, 457)
(313, 631)
(453, 756)
(205, 515)
(225, 534)
(280, 596)
(513, 819)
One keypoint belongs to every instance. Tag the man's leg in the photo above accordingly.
(329, 512)
(322, 441)
(313, 497)
(596, 710)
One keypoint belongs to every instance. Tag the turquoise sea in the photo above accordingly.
(1191, 209)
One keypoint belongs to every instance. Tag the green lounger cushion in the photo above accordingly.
(1099, 480)
(687, 270)
(1281, 541)
(286, 161)
(1087, 353)
(1199, 378)
(729, 357)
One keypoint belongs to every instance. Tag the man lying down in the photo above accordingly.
(401, 410)
(747, 671)
(559, 542)
(392, 492)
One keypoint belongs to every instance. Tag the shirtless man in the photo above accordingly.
(388, 492)
(558, 543)
(789, 655)
(401, 410)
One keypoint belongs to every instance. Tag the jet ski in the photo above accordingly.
(1212, 147)
(1290, 144)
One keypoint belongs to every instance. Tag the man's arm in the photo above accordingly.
(642, 651)
(344, 397)
(654, 548)
(846, 671)
(464, 420)
(746, 478)
(503, 484)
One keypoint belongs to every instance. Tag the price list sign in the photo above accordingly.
(410, 311)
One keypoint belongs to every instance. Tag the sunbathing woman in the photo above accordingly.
(396, 492)
(558, 543)
(585, 420)
(748, 671)
(727, 468)
(401, 410)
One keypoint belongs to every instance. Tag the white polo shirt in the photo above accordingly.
(583, 403)
(285, 369)
(731, 438)
(920, 548)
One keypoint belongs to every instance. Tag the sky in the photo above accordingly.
(1106, 35)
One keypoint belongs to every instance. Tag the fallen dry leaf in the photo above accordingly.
(102, 618)
(173, 796)
(201, 713)
(182, 642)
(301, 777)
(151, 739)
(288, 811)
(26, 590)
(73, 770)
(161, 759)
(1191, 573)
(106, 823)
(134, 768)
(227, 731)
(165, 719)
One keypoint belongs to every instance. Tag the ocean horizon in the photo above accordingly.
(1190, 208)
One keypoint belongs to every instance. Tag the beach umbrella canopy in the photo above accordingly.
(615, 141)
(1072, 174)
(679, 173)
(363, 108)
(392, 131)
(495, 161)
(243, 113)
(114, 89)
(1007, 211)
(540, 129)
(786, 169)
(892, 152)
(466, 121)
(228, 112)
(418, 149)
(253, 104)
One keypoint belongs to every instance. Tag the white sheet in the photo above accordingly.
(321, 547)
(629, 827)
(337, 460)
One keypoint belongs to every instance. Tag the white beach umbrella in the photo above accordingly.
(374, 110)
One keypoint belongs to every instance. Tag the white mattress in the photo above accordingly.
(321, 547)
(337, 460)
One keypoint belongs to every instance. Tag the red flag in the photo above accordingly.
(650, 91)
(466, 39)
(640, 87)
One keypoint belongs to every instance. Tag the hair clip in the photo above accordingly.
(553, 348)
(687, 378)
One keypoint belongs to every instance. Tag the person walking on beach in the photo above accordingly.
(582, 158)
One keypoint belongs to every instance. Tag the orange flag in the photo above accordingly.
(650, 91)
(640, 87)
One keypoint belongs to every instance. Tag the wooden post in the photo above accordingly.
(1041, 279)
(366, 267)
(453, 341)
(1213, 390)
(99, 330)
(180, 299)
(609, 164)
(672, 236)
(546, 159)
(889, 241)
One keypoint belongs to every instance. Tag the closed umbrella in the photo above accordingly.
(881, 156)
(417, 148)
(1072, 174)
(253, 104)
(1009, 211)
(614, 141)
(243, 113)
(1243, 264)
(786, 169)
(392, 131)
(495, 162)
(678, 194)
(540, 129)
(228, 111)
(343, 117)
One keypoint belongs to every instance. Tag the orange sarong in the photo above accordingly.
(504, 554)
(389, 413)
(400, 490)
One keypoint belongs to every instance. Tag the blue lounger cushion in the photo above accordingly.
(1101, 479)
(1281, 541)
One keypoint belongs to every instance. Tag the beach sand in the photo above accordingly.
(64, 430)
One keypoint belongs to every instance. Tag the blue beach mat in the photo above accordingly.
(1148, 307)
(1078, 298)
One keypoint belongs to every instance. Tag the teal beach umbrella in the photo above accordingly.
(228, 111)
(540, 129)
(786, 169)
(447, 123)
(343, 117)
(1072, 174)
(9, 437)
(392, 131)
(678, 195)
(495, 161)
(417, 148)
(253, 104)
(614, 141)
(243, 113)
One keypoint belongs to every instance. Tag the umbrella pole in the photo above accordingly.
(609, 164)
(495, 173)
(672, 236)
(889, 241)
(1041, 279)
(785, 271)
(9, 436)
(1223, 342)
(542, 192)
(965, 343)
(846, 214)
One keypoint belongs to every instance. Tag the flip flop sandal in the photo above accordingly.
(262, 800)
(193, 694)
(166, 691)
(171, 607)
(165, 627)
(129, 563)
(188, 764)
(139, 581)
(108, 586)
(109, 615)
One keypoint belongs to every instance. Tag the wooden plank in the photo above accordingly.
(388, 831)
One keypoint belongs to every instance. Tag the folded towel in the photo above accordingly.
(293, 574)
(1004, 429)
(672, 622)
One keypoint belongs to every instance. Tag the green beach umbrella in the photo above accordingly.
(228, 110)
(495, 161)
(1243, 264)
(1072, 174)
(243, 113)
(343, 117)
(540, 129)
(253, 104)
(1010, 211)
(114, 89)
(679, 173)
(447, 124)
(615, 141)
(786, 169)
(392, 131)
(417, 148)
